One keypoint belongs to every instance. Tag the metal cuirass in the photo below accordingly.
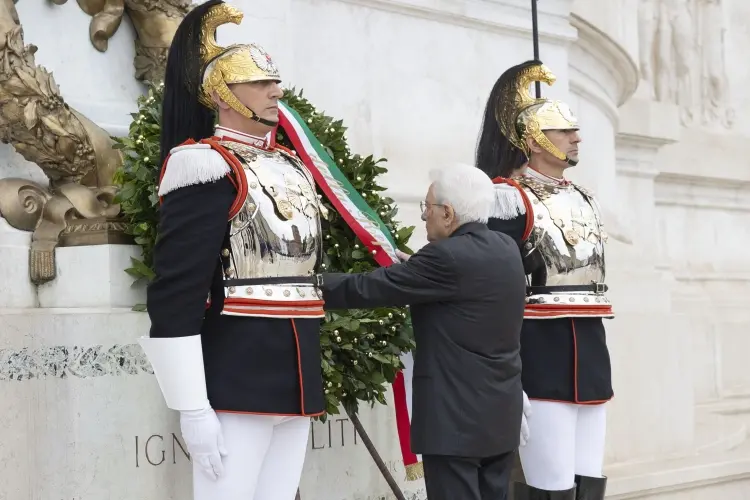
(276, 233)
(565, 250)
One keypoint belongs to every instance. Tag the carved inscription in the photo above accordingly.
(334, 433)
(158, 449)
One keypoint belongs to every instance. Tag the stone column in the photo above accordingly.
(653, 388)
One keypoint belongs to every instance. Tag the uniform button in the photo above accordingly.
(225, 252)
(232, 289)
(287, 293)
(249, 290)
(269, 292)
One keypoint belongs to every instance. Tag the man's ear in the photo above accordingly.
(448, 212)
(219, 101)
(534, 146)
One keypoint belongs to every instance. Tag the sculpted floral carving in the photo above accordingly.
(155, 22)
(77, 207)
(44, 362)
(53, 214)
(75, 154)
(41, 126)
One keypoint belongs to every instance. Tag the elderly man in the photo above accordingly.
(466, 291)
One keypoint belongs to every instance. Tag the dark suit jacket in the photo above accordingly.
(467, 295)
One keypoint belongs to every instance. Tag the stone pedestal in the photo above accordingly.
(15, 288)
(93, 276)
(82, 415)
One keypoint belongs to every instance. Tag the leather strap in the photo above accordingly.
(593, 287)
(315, 279)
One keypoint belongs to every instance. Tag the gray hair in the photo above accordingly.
(465, 188)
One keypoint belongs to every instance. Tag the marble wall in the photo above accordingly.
(659, 86)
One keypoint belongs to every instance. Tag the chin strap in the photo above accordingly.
(268, 123)
(570, 162)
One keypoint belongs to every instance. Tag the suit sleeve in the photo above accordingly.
(428, 276)
(192, 225)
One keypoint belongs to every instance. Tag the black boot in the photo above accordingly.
(523, 491)
(590, 488)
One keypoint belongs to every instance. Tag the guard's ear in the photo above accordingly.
(219, 101)
(534, 146)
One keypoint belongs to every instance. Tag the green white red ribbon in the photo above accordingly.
(373, 233)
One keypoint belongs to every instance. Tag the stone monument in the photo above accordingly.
(82, 412)
(660, 85)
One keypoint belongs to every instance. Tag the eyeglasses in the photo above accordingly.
(423, 205)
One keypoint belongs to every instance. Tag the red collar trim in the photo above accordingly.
(228, 134)
(531, 172)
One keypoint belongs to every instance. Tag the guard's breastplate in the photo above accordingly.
(565, 253)
(275, 235)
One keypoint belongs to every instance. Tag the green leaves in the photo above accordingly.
(360, 349)
(137, 179)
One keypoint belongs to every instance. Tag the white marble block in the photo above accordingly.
(15, 288)
(93, 276)
(82, 417)
(81, 413)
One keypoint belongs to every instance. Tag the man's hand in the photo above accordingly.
(524, 420)
(201, 431)
(402, 255)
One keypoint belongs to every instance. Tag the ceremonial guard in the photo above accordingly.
(235, 307)
(525, 146)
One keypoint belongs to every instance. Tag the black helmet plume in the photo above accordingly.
(183, 116)
(495, 154)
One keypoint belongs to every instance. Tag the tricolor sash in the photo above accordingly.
(372, 232)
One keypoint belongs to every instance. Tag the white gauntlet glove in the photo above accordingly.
(524, 420)
(201, 431)
(178, 366)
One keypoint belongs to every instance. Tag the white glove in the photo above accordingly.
(201, 431)
(524, 420)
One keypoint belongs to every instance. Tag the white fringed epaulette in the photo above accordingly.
(192, 164)
(508, 202)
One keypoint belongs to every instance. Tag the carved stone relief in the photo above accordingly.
(682, 54)
(715, 95)
(155, 23)
(76, 155)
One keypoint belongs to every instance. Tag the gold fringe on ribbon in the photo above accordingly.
(414, 471)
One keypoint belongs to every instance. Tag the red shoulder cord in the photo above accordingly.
(238, 180)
